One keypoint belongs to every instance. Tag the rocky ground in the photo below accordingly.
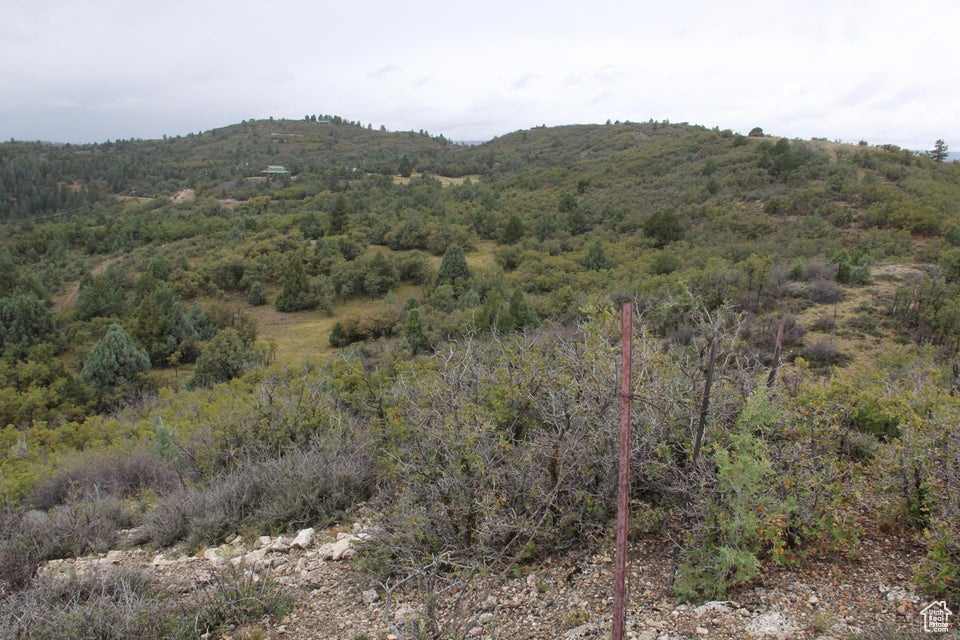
(566, 598)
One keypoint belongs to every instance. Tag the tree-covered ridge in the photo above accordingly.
(556, 216)
(488, 274)
(41, 179)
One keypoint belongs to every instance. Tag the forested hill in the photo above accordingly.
(548, 219)
(168, 303)
(38, 178)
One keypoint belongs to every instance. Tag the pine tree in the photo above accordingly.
(24, 321)
(115, 362)
(297, 294)
(414, 331)
(256, 295)
(406, 167)
(513, 232)
(940, 150)
(453, 269)
(521, 313)
(339, 221)
(596, 258)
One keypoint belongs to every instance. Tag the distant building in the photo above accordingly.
(275, 170)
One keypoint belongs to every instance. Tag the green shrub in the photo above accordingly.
(939, 571)
(224, 358)
(664, 263)
(744, 517)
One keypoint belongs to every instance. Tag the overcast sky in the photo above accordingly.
(93, 70)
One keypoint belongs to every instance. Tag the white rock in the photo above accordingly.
(280, 545)
(212, 554)
(263, 541)
(587, 630)
(899, 594)
(113, 557)
(404, 613)
(255, 557)
(715, 607)
(370, 596)
(304, 539)
(342, 548)
(772, 624)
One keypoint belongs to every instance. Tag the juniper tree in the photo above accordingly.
(115, 362)
(453, 269)
(223, 359)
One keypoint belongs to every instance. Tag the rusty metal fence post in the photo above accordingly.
(623, 484)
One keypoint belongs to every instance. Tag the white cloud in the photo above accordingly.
(96, 69)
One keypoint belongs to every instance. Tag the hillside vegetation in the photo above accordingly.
(195, 349)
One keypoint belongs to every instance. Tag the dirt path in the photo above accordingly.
(70, 297)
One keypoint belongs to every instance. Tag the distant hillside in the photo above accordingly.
(426, 335)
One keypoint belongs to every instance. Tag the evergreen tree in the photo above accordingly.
(940, 150)
(513, 232)
(379, 275)
(339, 221)
(8, 273)
(453, 269)
(115, 362)
(24, 321)
(664, 227)
(338, 337)
(596, 258)
(414, 332)
(491, 316)
(256, 295)
(164, 325)
(297, 294)
(521, 313)
(159, 268)
(102, 296)
(223, 359)
(406, 167)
